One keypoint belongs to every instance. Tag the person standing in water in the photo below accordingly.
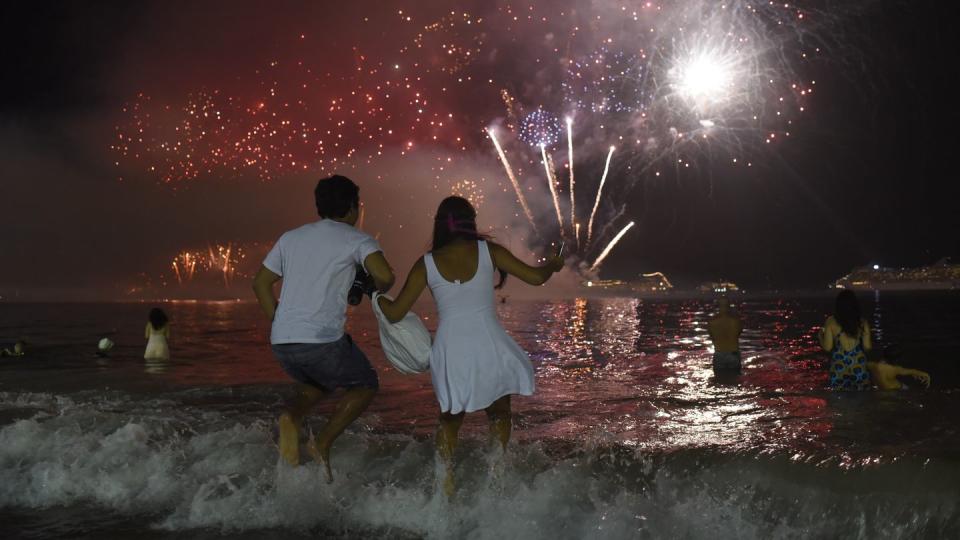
(474, 364)
(846, 336)
(317, 263)
(725, 329)
(157, 333)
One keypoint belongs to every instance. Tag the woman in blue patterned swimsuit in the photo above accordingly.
(846, 336)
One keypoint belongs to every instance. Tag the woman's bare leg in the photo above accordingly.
(447, 434)
(501, 420)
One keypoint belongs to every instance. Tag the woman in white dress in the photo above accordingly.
(474, 364)
(157, 332)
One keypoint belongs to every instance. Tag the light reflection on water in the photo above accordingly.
(629, 371)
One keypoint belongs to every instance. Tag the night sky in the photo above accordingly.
(865, 175)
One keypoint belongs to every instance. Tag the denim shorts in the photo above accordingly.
(338, 364)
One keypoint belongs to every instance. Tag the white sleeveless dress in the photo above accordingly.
(473, 361)
(157, 347)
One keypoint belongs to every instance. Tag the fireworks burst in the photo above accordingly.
(605, 82)
(470, 190)
(218, 259)
(582, 251)
(660, 81)
(539, 128)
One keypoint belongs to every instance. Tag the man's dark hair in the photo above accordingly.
(335, 196)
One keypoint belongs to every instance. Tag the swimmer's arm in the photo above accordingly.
(826, 336)
(921, 376)
(263, 289)
(534, 275)
(867, 341)
(379, 269)
(395, 310)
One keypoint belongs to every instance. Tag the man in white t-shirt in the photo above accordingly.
(317, 263)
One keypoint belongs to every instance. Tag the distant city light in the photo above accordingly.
(876, 267)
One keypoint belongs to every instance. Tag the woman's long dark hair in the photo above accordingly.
(158, 319)
(847, 312)
(457, 220)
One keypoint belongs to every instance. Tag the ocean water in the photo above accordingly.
(629, 434)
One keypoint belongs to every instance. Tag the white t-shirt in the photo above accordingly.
(318, 264)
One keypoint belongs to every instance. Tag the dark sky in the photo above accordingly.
(865, 177)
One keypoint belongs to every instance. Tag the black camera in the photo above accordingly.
(362, 285)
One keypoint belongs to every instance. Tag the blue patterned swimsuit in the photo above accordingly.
(848, 369)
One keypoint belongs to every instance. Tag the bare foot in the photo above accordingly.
(289, 440)
(321, 454)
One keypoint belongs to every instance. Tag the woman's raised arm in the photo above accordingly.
(534, 275)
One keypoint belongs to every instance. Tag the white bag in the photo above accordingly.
(406, 343)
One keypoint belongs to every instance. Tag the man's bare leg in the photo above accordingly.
(350, 406)
(447, 434)
(292, 418)
(501, 420)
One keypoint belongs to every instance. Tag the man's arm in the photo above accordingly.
(379, 269)
(263, 289)
(713, 337)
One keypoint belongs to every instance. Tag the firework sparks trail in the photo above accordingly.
(606, 251)
(220, 261)
(513, 180)
(573, 211)
(612, 222)
(596, 203)
(576, 232)
(551, 182)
